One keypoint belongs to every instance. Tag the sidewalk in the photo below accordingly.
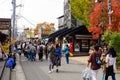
(82, 59)
(66, 71)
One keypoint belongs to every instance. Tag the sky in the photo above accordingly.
(33, 12)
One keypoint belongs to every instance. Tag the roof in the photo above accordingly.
(81, 30)
(58, 32)
(60, 17)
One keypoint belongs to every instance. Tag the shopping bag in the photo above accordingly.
(71, 54)
(86, 74)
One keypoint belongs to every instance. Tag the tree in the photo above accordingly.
(35, 31)
(115, 40)
(96, 31)
(107, 37)
(100, 15)
(81, 10)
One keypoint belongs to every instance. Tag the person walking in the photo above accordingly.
(92, 60)
(51, 57)
(67, 52)
(40, 52)
(111, 64)
(46, 51)
(28, 50)
(32, 53)
(58, 54)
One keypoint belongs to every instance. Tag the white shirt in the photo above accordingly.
(112, 61)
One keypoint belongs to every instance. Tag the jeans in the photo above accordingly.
(51, 64)
(103, 76)
(110, 72)
(113, 77)
(32, 56)
(67, 58)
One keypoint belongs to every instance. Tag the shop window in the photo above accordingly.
(84, 45)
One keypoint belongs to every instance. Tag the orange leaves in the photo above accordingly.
(36, 31)
(100, 15)
(96, 31)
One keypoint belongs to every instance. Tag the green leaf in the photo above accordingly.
(81, 10)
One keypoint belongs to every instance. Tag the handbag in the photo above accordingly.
(71, 54)
(86, 74)
(107, 65)
(98, 61)
(67, 52)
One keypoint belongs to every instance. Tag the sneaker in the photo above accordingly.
(13, 69)
(49, 72)
(52, 70)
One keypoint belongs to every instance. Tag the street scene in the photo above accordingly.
(60, 40)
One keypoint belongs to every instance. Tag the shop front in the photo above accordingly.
(78, 39)
(82, 44)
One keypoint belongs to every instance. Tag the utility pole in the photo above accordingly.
(13, 22)
(14, 18)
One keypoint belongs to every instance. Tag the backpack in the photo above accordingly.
(98, 60)
(32, 49)
(10, 62)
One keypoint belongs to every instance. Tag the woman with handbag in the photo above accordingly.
(67, 52)
(110, 64)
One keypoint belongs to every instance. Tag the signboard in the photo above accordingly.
(5, 24)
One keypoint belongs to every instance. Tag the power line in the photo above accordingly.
(28, 21)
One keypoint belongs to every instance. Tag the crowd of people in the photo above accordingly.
(51, 51)
(53, 54)
(107, 57)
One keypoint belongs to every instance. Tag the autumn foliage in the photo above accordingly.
(99, 17)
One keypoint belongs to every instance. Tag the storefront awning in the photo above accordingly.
(81, 30)
(57, 33)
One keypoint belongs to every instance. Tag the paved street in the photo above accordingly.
(39, 70)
